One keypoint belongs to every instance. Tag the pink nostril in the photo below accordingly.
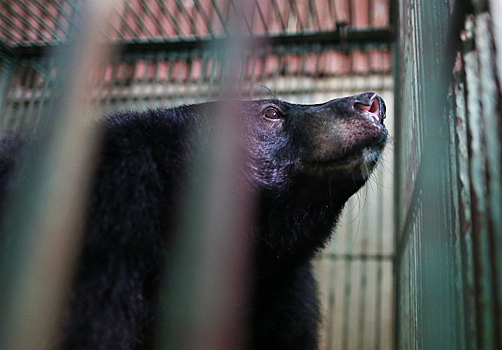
(374, 108)
(363, 107)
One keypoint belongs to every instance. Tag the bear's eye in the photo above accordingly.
(272, 113)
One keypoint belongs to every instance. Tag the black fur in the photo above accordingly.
(305, 161)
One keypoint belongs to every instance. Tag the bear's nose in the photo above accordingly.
(371, 103)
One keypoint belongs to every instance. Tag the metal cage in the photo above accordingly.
(174, 52)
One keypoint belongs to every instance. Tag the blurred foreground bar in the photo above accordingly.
(43, 219)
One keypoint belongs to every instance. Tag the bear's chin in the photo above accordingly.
(356, 165)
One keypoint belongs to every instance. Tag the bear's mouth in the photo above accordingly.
(356, 162)
(339, 159)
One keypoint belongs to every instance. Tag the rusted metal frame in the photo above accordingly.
(481, 95)
(490, 101)
(454, 205)
(463, 205)
(495, 167)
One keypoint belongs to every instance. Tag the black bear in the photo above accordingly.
(307, 160)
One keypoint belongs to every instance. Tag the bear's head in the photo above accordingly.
(306, 161)
(333, 141)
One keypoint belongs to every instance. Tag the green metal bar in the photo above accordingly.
(8, 65)
(42, 219)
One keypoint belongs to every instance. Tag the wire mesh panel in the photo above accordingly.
(34, 22)
(448, 167)
(314, 51)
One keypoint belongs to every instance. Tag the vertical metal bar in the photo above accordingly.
(363, 229)
(347, 293)
(8, 68)
(28, 100)
(466, 239)
(209, 267)
(490, 100)
(379, 284)
(43, 219)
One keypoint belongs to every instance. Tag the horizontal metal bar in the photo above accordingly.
(332, 39)
(377, 257)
